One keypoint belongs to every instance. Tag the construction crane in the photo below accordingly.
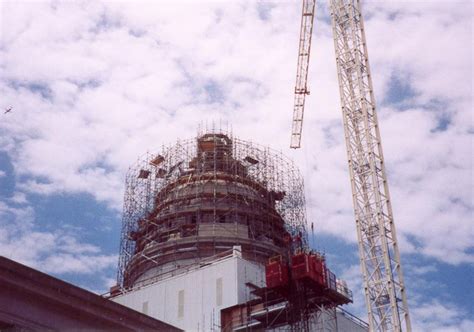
(378, 246)
(301, 88)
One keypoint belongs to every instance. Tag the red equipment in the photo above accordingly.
(276, 273)
(309, 267)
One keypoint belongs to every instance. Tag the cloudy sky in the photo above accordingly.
(93, 85)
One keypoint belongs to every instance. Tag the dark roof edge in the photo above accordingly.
(19, 276)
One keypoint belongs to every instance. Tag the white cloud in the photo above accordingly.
(426, 313)
(94, 85)
(436, 316)
(72, 263)
(56, 252)
(2, 174)
(19, 198)
(353, 277)
(430, 171)
(424, 269)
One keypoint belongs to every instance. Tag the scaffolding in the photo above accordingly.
(201, 196)
(299, 306)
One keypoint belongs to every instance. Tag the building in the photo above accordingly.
(214, 238)
(192, 297)
(201, 202)
(33, 301)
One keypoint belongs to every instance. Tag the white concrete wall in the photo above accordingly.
(325, 322)
(345, 324)
(200, 309)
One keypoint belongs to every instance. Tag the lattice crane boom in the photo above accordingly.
(301, 88)
(378, 246)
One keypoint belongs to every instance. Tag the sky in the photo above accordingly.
(93, 85)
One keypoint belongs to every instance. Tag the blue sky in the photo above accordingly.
(94, 85)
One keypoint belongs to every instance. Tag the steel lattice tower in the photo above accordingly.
(378, 247)
(301, 88)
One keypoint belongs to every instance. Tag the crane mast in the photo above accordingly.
(301, 88)
(378, 246)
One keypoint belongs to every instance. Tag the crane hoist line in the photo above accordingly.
(384, 287)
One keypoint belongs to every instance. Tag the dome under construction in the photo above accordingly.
(200, 198)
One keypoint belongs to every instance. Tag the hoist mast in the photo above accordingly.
(378, 246)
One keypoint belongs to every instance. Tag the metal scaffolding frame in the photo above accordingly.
(300, 310)
(176, 180)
